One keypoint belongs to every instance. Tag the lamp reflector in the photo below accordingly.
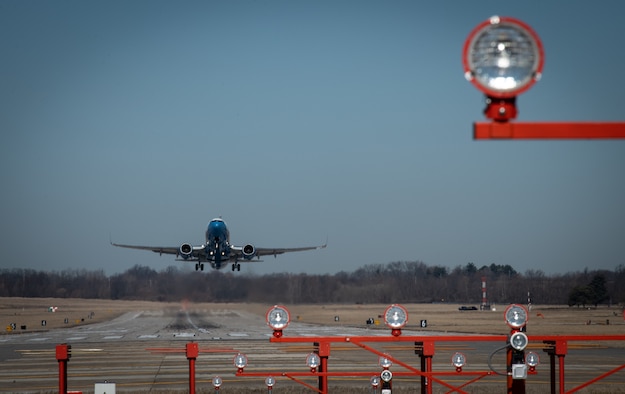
(395, 316)
(278, 317)
(503, 57)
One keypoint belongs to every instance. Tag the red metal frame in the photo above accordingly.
(554, 345)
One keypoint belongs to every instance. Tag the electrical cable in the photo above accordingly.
(490, 357)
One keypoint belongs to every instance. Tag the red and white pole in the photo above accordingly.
(484, 299)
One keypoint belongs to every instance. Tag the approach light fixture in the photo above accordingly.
(313, 361)
(277, 318)
(386, 375)
(375, 381)
(240, 361)
(396, 317)
(518, 341)
(516, 316)
(217, 382)
(270, 381)
(502, 57)
(532, 360)
(385, 362)
(458, 360)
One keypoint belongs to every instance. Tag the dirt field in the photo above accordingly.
(30, 314)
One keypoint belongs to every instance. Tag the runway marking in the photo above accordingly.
(31, 352)
(184, 335)
(39, 339)
(76, 338)
(238, 334)
(148, 336)
(113, 337)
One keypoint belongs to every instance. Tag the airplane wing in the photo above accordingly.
(192, 255)
(156, 249)
(277, 251)
(238, 250)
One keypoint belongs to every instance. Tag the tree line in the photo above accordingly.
(396, 282)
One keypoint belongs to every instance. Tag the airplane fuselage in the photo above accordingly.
(217, 243)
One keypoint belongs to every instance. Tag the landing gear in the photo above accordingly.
(236, 266)
(199, 266)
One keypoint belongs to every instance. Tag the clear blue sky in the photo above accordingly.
(296, 121)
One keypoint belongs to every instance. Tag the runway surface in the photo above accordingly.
(143, 351)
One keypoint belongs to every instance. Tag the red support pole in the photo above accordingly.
(323, 349)
(323, 379)
(560, 350)
(509, 370)
(558, 347)
(62, 377)
(424, 378)
(428, 369)
(552, 372)
(191, 376)
(561, 370)
(63, 354)
(192, 353)
(425, 350)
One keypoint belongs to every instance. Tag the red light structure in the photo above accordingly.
(516, 317)
(458, 360)
(240, 361)
(278, 319)
(395, 317)
(192, 352)
(503, 57)
(270, 381)
(217, 382)
(63, 354)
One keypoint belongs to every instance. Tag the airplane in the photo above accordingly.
(218, 250)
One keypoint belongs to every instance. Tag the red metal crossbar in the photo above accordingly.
(548, 130)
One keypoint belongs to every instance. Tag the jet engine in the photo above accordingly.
(249, 251)
(186, 250)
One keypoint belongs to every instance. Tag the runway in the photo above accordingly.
(143, 351)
